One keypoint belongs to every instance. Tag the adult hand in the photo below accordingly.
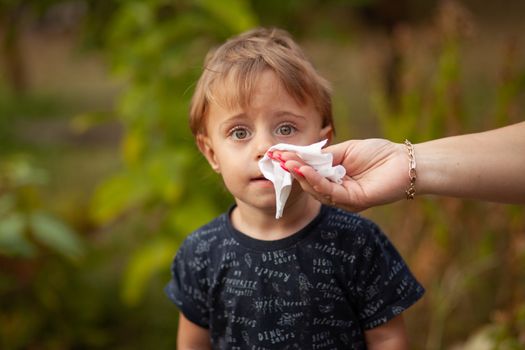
(376, 173)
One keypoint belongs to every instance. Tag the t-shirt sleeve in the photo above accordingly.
(187, 288)
(384, 285)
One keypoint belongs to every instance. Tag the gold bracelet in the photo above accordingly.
(411, 190)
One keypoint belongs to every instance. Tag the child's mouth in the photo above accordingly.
(260, 178)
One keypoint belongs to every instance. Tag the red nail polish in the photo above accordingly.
(270, 154)
(298, 172)
(284, 167)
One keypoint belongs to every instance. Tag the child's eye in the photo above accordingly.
(286, 129)
(239, 133)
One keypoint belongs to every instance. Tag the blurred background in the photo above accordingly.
(100, 180)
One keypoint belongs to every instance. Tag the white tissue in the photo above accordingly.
(282, 180)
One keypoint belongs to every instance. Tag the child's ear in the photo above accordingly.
(206, 148)
(327, 133)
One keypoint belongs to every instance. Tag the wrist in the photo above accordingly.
(430, 171)
(412, 173)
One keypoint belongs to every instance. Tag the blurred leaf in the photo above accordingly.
(146, 262)
(193, 213)
(56, 235)
(12, 240)
(235, 14)
(159, 177)
(116, 195)
(132, 146)
(17, 170)
(167, 173)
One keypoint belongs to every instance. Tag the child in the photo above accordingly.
(317, 278)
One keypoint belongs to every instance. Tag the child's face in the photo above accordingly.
(238, 138)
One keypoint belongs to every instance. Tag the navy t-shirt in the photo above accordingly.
(320, 288)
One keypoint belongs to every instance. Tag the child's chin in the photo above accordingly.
(264, 202)
(266, 206)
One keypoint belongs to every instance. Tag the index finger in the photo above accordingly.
(288, 156)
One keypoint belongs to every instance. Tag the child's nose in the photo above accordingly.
(262, 146)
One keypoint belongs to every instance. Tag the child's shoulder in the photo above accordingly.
(344, 220)
(352, 228)
(207, 234)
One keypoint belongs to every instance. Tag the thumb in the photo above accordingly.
(338, 151)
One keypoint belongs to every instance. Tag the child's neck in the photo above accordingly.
(262, 225)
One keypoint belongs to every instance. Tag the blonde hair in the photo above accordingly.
(242, 59)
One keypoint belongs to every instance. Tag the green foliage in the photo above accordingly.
(423, 109)
(24, 224)
(55, 234)
(12, 239)
(152, 257)
(326, 19)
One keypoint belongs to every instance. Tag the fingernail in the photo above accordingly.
(270, 154)
(298, 172)
(284, 167)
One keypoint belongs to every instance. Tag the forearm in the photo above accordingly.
(191, 336)
(488, 165)
(183, 343)
(389, 336)
(190, 347)
(391, 344)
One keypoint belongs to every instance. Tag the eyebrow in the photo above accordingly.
(232, 119)
(288, 113)
(242, 115)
